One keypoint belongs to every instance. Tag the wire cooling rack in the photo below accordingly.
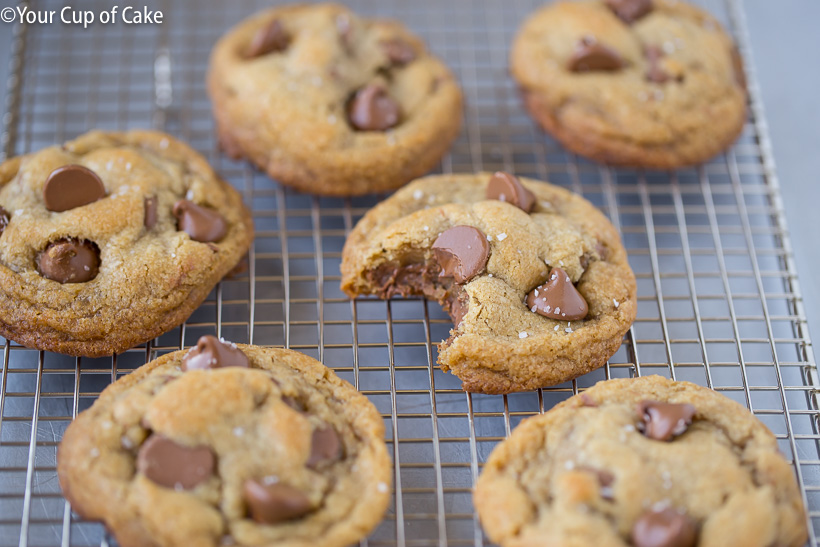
(719, 302)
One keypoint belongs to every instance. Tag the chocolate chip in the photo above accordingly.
(662, 421)
(506, 187)
(629, 11)
(150, 218)
(268, 39)
(69, 260)
(201, 223)
(273, 503)
(458, 309)
(462, 252)
(210, 352)
(593, 56)
(5, 217)
(173, 465)
(398, 51)
(372, 109)
(656, 74)
(325, 446)
(72, 186)
(558, 298)
(664, 528)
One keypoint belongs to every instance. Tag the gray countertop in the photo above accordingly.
(782, 32)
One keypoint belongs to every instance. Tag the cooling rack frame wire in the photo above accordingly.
(719, 299)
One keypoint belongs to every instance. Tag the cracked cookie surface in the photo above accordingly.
(588, 473)
(500, 343)
(662, 87)
(112, 239)
(268, 448)
(332, 103)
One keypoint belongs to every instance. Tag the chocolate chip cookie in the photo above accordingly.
(648, 83)
(229, 445)
(535, 278)
(332, 103)
(112, 239)
(646, 462)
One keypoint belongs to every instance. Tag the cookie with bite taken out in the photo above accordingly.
(535, 278)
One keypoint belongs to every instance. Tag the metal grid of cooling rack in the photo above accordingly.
(719, 302)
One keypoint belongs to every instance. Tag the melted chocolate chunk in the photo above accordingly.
(459, 308)
(270, 38)
(325, 446)
(201, 223)
(373, 109)
(462, 252)
(663, 421)
(629, 11)
(506, 187)
(558, 298)
(150, 218)
(664, 528)
(173, 465)
(72, 186)
(274, 503)
(69, 260)
(210, 352)
(5, 217)
(590, 55)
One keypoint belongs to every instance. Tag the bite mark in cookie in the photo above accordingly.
(453, 239)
